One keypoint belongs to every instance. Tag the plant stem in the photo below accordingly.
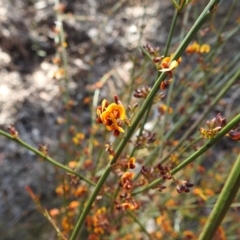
(223, 203)
(173, 25)
(204, 114)
(61, 40)
(198, 153)
(47, 158)
(170, 35)
(199, 22)
(140, 224)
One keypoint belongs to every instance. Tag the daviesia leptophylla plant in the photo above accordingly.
(126, 169)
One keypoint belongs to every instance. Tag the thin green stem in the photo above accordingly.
(60, 40)
(165, 118)
(93, 120)
(203, 116)
(132, 76)
(189, 146)
(222, 89)
(170, 35)
(227, 16)
(198, 153)
(185, 21)
(202, 18)
(140, 224)
(223, 203)
(63, 53)
(42, 155)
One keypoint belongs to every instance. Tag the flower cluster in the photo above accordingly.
(152, 174)
(98, 222)
(67, 222)
(154, 52)
(164, 223)
(144, 91)
(168, 64)
(203, 193)
(163, 64)
(71, 190)
(163, 108)
(181, 185)
(197, 48)
(126, 181)
(111, 116)
(77, 138)
(56, 216)
(164, 172)
(128, 205)
(126, 201)
(123, 165)
(214, 126)
(146, 139)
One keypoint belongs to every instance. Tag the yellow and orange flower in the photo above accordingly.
(117, 111)
(101, 109)
(167, 65)
(127, 177)
(77, 139)
(111, 122)
(111, 116)
(129, 206)
(131, 163)
(163, 108)
(197, 48)
(209, 133)
(213, 127)
(126, 181)
(193, 48)
(73, 205)
(99, 221)
(205, 48)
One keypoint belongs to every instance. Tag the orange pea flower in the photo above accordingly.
(114, 124)
(168, 65)
(118, 112)
(126, 181)
(131, 163)
(197, 48)
(129, 206)
(205, 48)
(193, 48)
(111, 116)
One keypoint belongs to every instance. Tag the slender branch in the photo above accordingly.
(173, 25)
(225, 88)
(223, 203)
(42, 155)
(198, 153)
(140, 224)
